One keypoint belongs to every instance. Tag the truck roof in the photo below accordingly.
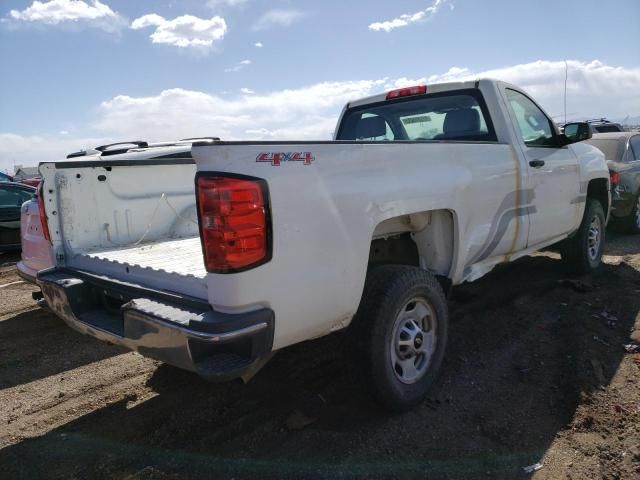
(431, 88)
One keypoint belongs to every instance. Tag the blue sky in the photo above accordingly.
(73, 74)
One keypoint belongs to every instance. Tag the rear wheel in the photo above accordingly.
(402, 330)
(582, 253)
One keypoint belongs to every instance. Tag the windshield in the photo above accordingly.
(14, 197)
(613, 149)
(450, 116)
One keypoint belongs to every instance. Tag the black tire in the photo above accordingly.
(580, 254)
(381, 320)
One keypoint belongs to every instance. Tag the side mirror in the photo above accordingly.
(577, 132)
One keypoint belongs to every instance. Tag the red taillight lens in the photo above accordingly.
(615, 178)
(407, 92)
(43, 215)
(233, 223)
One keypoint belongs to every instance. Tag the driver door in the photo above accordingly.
(552, 171)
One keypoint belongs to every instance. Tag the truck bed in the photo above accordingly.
(174, 265)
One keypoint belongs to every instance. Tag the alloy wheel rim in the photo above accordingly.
(594, 238)
(413, 340)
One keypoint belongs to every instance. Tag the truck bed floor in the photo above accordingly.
(170, 265)
(182, 256)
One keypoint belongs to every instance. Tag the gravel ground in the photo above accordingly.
(535, 372)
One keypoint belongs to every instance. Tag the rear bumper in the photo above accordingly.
(179, 331)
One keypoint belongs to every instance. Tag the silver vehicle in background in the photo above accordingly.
(622, 152)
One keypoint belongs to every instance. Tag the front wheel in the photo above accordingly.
(582, 253)
(402, 328)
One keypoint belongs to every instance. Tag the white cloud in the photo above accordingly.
(247, 91)
(238, 66)
(310, 112)
(407, 18)
(594, 89)
(76, 12)
(279, 17)
(29, 150)
(258, 44)
(183, 31)
(306, 112)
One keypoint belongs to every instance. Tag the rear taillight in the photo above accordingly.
(407, 92)
(614, 177)
(43, 215)
(234, 222)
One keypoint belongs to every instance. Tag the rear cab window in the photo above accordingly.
(456, 115)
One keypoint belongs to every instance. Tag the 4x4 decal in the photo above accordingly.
(276, 158)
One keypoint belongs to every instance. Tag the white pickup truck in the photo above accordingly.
(212, 260)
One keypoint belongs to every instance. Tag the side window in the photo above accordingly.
(534, 126)
(635, 146)
(420, 125)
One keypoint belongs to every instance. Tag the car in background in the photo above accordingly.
(36, 249)
(27, 175)
(602, 125)
(622, 152)
(32, 182)
(12, 196)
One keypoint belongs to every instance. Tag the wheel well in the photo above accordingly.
(423, 239)
(598, 189)
(396, 249)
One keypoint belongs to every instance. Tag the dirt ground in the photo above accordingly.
(535, 372)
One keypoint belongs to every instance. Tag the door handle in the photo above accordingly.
(537, 163)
